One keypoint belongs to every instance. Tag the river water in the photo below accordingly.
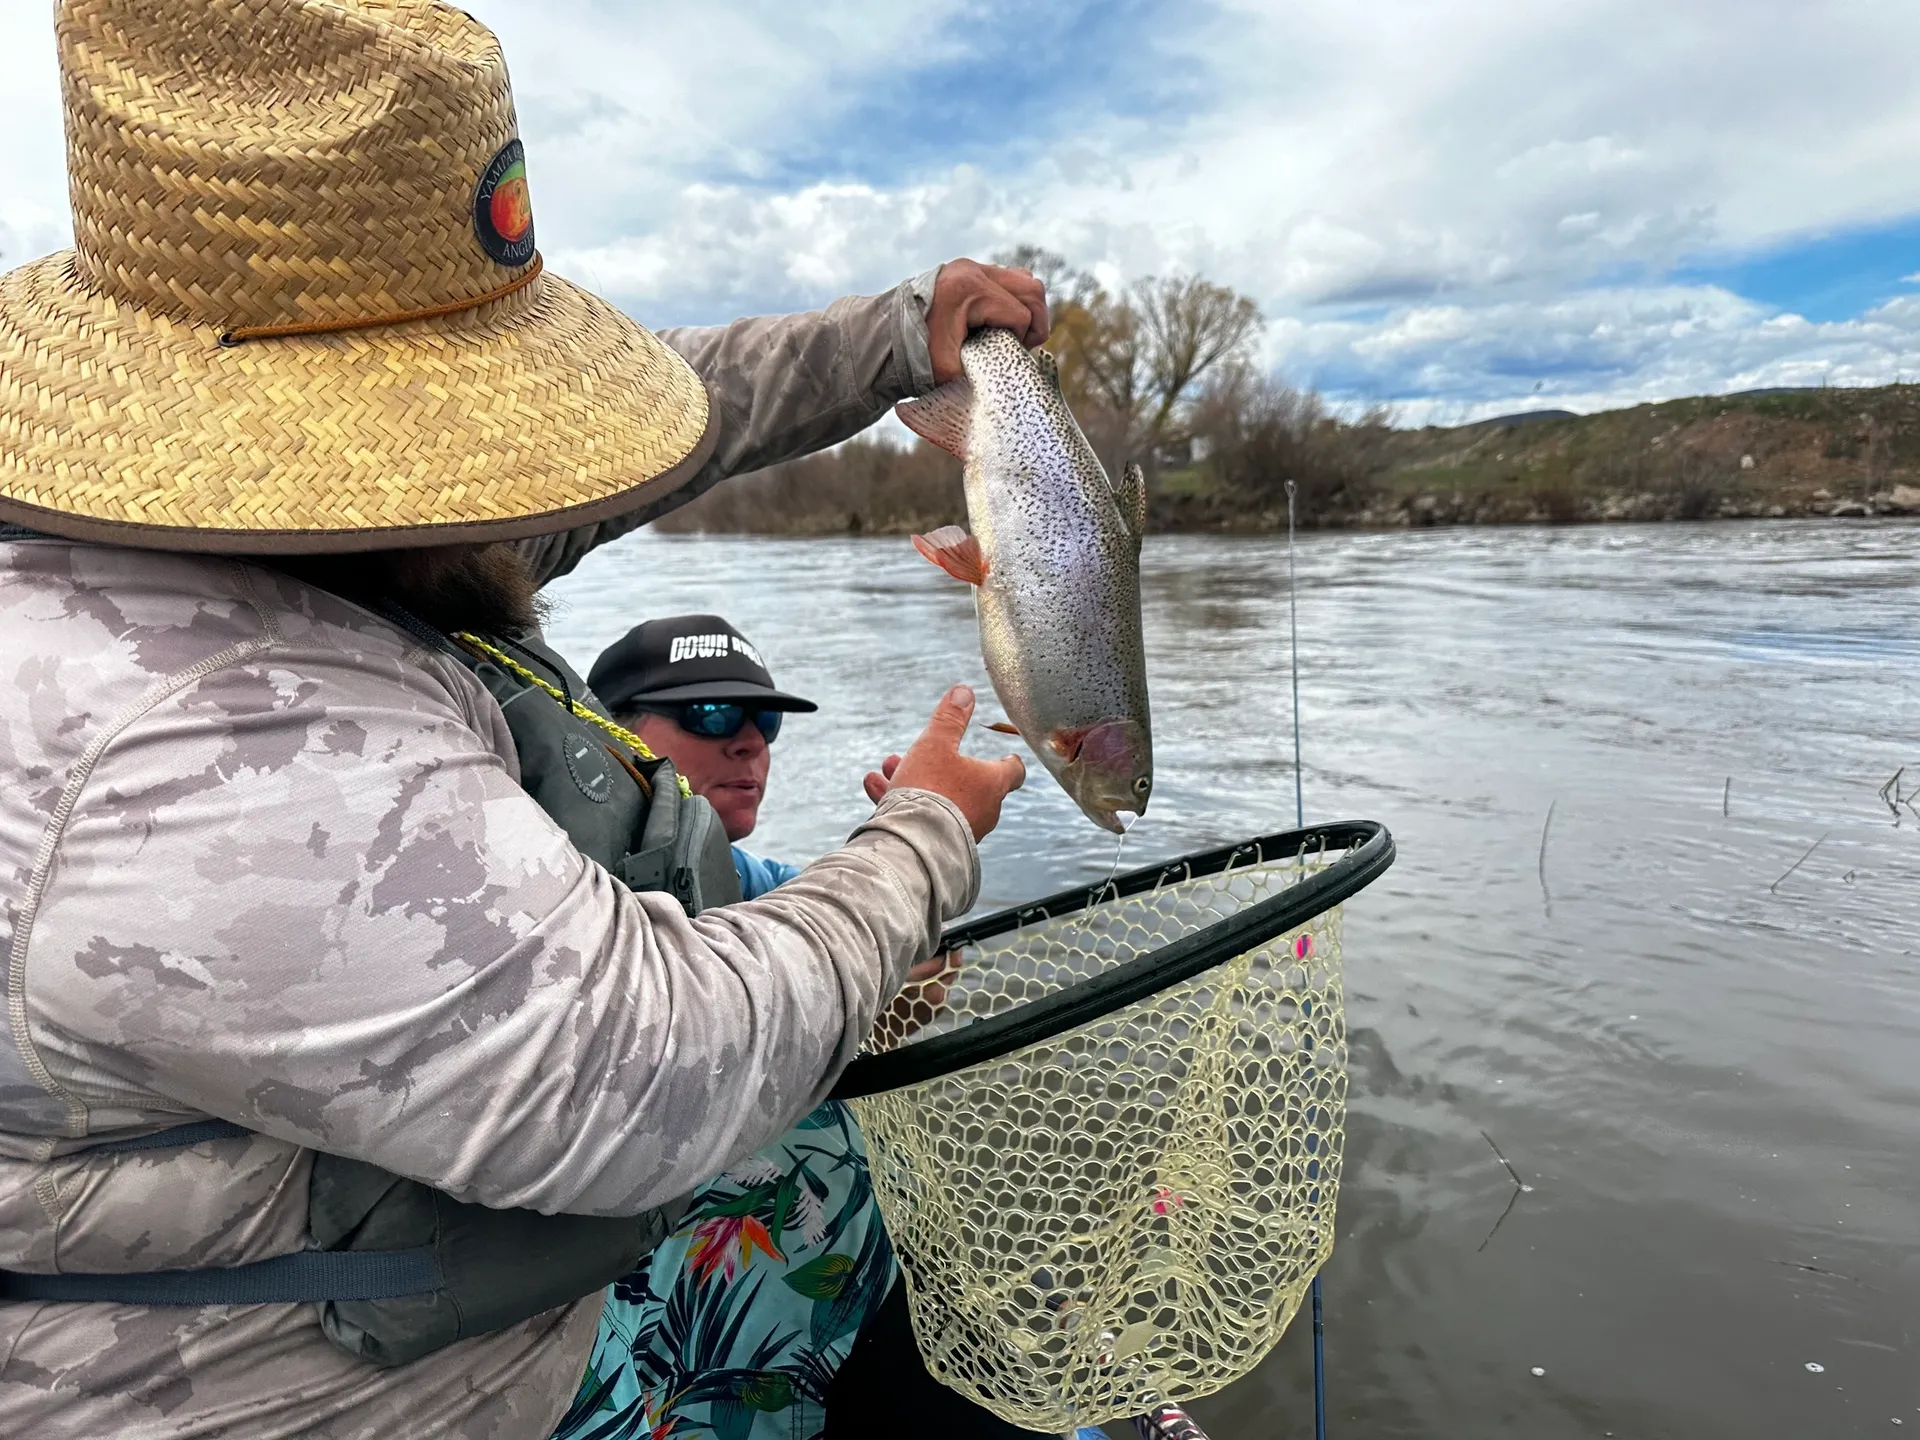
(1708, 1075)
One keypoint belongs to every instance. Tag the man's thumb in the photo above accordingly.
(951, 715)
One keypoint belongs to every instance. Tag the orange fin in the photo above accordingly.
(1003, 727)
(1067, 743)
(942, 416)
(954, 551)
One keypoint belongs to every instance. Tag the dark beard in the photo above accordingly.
(487, 588)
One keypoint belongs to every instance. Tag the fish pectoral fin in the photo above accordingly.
(941, 416)
(1066, 743)
(1131, 492)
(1004, 728)
(954, 551)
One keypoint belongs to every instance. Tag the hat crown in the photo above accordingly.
(272, 162)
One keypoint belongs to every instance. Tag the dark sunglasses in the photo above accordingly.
(717, 720)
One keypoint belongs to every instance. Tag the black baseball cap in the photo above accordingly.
(683, 659)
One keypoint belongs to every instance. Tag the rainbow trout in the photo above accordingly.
(1054, 559)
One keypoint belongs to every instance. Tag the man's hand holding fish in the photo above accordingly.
(969, 296)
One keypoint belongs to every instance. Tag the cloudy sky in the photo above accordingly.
(1460, 207)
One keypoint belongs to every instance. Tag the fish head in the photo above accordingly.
(1108, 768)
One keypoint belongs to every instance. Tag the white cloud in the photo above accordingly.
(1595, 350)
(33, 209)
(1426, 199)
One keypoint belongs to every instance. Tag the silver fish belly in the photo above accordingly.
(1054, 556)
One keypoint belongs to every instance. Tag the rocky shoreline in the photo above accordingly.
(1435, 509)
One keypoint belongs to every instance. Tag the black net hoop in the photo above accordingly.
(1364, 851)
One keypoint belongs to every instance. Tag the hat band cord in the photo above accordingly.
(243, 333)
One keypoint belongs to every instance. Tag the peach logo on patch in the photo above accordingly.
(502, 210)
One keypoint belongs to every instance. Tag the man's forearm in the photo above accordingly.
(787, 385)
(781, 386)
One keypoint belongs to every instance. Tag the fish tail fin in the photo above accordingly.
(954, 551)
(941, 416)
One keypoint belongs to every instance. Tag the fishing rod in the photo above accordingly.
(1300, 819)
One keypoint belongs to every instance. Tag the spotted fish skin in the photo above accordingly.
(1054, 556)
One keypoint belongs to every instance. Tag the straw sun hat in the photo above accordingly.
(304, 311)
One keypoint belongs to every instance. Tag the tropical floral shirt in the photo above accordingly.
(733, 1328)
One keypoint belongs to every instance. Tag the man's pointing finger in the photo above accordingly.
(950, 717)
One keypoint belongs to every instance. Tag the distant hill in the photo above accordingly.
(1772, 452)
(1529, 417)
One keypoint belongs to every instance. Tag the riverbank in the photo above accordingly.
(1778, 454)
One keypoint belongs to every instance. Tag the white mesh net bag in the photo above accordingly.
(1108, 1156)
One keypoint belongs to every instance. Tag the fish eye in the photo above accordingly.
(1142, 785)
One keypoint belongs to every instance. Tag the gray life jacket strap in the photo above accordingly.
(398, 614)
(308, 1277)
(194, 1132)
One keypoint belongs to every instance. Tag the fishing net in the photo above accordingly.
(1108, 1153)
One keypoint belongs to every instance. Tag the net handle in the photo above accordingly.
(1369, 851)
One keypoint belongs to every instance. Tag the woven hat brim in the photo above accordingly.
(532, 414)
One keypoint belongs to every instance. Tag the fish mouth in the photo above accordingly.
(1110, 821)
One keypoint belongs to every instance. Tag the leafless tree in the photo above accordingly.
(1133, 363)
(1187, 326)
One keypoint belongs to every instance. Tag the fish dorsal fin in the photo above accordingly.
(1049, 367)
(1131, 492)
(954, 551)
(941, 416)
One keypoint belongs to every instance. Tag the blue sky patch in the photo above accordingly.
(1001, 83)
(1823, 277)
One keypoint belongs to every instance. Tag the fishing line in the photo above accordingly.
(1118, 845)
(1300, 819)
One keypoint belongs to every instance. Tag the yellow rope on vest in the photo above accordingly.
(619, 732)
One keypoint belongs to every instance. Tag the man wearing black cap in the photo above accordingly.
(695, 689)
(699, 693)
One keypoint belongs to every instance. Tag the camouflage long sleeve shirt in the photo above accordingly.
(265, 858)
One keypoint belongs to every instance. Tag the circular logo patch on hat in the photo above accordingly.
(502, 213)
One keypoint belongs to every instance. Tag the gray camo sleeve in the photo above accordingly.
(369, 940)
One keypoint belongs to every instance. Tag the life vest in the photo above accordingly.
(399, 1269)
